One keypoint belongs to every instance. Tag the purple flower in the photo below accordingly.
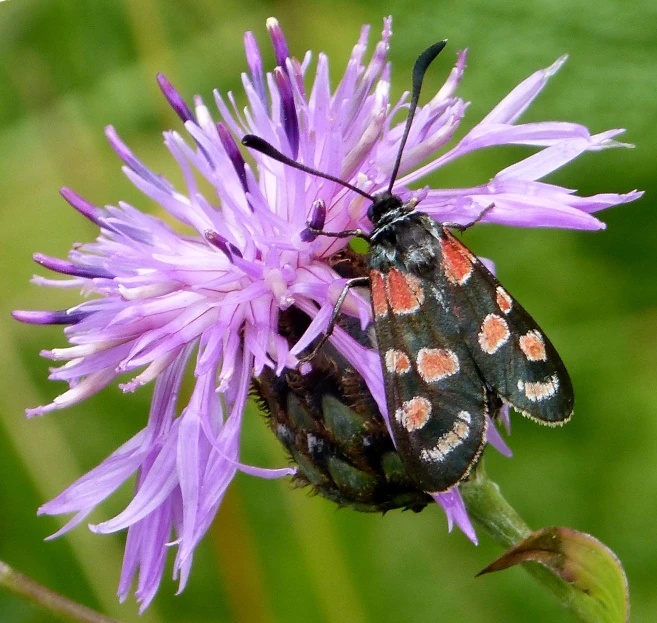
(210, 297)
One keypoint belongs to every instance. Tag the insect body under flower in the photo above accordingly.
(453, 343)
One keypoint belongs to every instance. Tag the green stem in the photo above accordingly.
(48, 600)
(491, 513)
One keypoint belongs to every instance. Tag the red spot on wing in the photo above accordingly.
(378, 287)
(493, 334)
(397, 362)
(435, 364)
(457, 260)
(504, 301)
(533, 346)
(405, 293)
(414, 413)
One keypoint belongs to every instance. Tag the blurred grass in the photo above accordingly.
(68, 68)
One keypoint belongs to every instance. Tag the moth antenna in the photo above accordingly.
(260, 144)
(419, 69)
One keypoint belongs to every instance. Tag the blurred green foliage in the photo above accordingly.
(70, 67)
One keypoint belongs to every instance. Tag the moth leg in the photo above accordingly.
(351, 283)
(462, 228)
(347, 233)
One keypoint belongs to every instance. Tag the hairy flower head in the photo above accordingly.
(161, 301)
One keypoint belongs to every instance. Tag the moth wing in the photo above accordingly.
(513, 354)
(437, 400)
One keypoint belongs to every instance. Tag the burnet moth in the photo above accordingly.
(454, 344)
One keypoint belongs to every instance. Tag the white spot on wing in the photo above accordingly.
(465, 416)
(541, 390)
(450, 440)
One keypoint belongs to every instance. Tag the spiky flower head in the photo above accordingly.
(162, 301)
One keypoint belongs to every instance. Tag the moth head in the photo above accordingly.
(387, 207)
(384, 204)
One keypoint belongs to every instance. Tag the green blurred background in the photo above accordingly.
(70, 67)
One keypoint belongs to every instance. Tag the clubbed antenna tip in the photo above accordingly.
(419, 69)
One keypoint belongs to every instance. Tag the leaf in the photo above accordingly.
(579, 559)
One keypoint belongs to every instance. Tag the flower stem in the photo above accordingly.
(29, 590)
(491, 513)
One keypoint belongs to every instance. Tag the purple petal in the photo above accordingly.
(89, 386)
(516, 102)
(64, 316)
(494, 438)
(188, 459)
(147, 551)
(133, 163)
(288, 111)
(158, 483)
(68, 268)
(452, 504)
(548, 160)
(88, 210)
(454, 78)
(251, 470)
(99, 483)
(174, 98)
(513, 210)
(316, 327)
(279, 43)
(254, 61)
(265, 472)
(604, 201)
(233, 152)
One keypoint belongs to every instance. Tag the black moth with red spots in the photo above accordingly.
(454, 344)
